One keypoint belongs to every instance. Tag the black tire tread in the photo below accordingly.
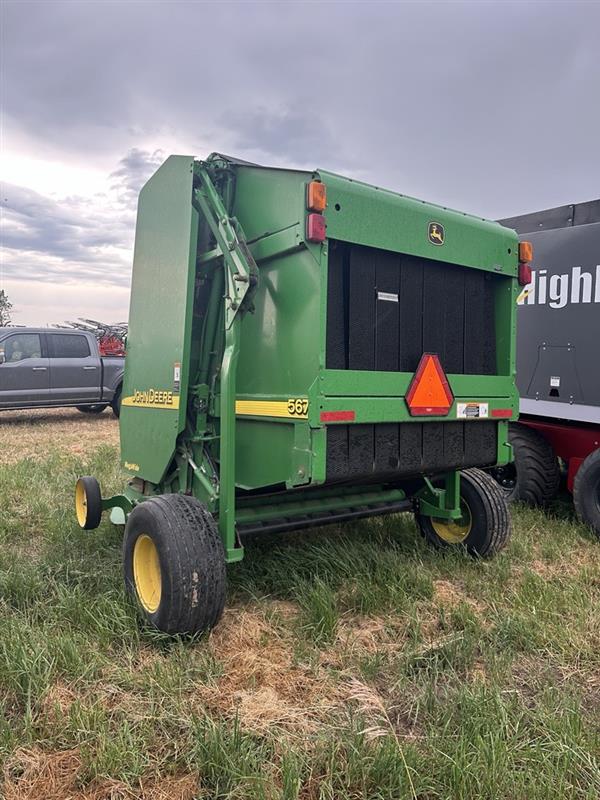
(496, 513)
(538, 474)
(585, 485)
(500, 523)
(194, 548)
(93, 497)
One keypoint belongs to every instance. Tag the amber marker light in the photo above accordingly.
(316, 196)
(525, 252)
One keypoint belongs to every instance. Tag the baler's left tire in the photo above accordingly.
(586, 492)
(88, 503)
(485, 527)
(174, 564)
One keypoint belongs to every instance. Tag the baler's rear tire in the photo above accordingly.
(586, 492)
(88, 503)
(174, 564)
(534, 476)
(485, 527)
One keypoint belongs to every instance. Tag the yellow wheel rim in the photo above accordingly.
(146, 573)
(80, 503)
(454, 531)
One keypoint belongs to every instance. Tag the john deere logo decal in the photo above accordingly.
(435, 233)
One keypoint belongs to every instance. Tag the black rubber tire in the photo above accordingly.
(95, 409)
(490, 518)
(116, 402)
(537, 475)
(192, 563)
(89, 517)
(586, 492)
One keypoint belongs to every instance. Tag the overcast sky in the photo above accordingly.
(488, 107)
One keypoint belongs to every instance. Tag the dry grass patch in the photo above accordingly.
(32, 774)
(262, 683)
(32, 433)
(450, 595)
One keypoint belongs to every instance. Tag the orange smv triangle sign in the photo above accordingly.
(429, 392)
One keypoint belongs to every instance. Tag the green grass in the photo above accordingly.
(353, 662)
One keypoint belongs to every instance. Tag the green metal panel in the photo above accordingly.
(368, 215)
(281, 341)
(282, 199)
(258, 465)
(159, 320)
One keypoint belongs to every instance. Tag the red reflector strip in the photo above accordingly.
(429, 411)
(338, 416)
(501, 412)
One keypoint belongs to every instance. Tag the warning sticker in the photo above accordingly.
(472, 410)
(176, 377)
(390, 297)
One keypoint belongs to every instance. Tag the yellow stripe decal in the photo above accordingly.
(152, 398)
(294, 408)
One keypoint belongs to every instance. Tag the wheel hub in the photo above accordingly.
(454, 531)
(80, 503)
(146, 573)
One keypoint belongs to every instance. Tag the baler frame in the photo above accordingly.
(236, 277)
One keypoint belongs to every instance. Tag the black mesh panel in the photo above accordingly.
(384, 310)
(388, 450)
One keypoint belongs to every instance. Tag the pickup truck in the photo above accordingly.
(45, 367)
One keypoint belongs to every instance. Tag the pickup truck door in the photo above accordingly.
(75, 373)
(24, 371)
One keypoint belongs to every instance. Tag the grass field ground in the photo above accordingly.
(352, 662)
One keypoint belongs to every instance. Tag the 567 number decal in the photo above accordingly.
(297, 407)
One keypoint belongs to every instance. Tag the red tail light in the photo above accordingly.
(524, 274)
(315, 228)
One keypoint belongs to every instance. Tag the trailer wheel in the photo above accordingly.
(534, 476)
(88, 503)
(484, 528)
(586, 492)
(174, 564)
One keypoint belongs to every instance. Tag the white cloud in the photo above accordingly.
(56, 249)
(48, 303)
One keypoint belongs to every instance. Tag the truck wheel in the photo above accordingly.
(484, 528)
(88, 503)
(533, 477)
(116, 403)
(96, 409)
(174, 564)
(586, 492)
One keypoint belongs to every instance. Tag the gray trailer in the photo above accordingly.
(558, 361)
